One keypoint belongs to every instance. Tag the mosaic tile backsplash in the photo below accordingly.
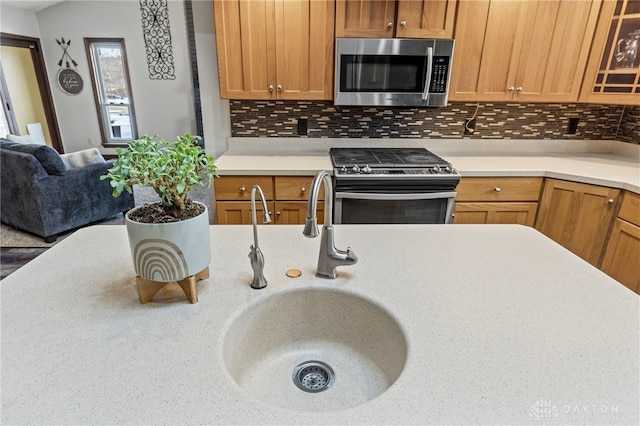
(493, 121)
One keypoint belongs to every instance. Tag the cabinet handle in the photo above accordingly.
(403, 23)
(511, 89)
(519, 89)
(303, 189)
(279, 88)
(610, 201)
(497, 189)
(389, 24)
(277, 213)
(242, 189)
(271, 88)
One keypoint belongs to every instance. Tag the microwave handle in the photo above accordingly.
(427, 78)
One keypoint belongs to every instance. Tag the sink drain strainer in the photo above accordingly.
(313, 376)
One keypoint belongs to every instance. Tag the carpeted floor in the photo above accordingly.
(17, 247)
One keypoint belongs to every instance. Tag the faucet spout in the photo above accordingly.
(330, 257)
(255, 255)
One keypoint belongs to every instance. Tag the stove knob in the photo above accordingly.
(343, 169)
(366, 169)
(437, 169)
(356, 169)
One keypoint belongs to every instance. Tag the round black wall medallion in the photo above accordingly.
(70, 81)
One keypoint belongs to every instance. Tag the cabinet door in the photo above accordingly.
(238, 188)
(577, 216)
(239, 212)
(295, 188)
(613, 75)
(425, 19)
(521, 50)
(622, 257)
(365, 18)
(554, 50)
(245, 43)
(295, 213)
(488, 36)
(304, 49)
(496, 213)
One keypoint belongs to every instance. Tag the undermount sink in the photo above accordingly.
(356, 349)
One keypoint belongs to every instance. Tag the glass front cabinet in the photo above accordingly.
(613, 71)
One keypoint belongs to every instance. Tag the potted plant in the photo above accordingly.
(169, 239)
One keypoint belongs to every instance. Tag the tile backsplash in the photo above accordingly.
(493, 121)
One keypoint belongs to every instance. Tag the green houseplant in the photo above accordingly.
(171, 168)
(169, 239)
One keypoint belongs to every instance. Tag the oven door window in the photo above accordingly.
(382, 73)
(394, 211)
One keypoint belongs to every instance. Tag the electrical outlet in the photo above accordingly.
(90, 141)
(302, 126)
(572, 128)
(470, 126)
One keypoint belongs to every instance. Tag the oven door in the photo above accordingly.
(379, 208)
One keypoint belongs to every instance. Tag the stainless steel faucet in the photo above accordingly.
(255, 255)
(330, 257)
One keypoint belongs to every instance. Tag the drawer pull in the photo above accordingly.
(303, 189)
(610, 201)
(242, 189)
(497, 189)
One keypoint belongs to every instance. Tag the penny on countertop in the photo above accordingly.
(294, 273)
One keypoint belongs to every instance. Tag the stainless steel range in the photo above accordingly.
(392, 185)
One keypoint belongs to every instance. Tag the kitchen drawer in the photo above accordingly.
(499, 189)
(238, 188)
(630, 208)
(294, 188)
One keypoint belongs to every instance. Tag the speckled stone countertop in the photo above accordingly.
(607, 163)
(503, 326)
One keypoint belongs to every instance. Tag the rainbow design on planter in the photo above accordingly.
(160, 260)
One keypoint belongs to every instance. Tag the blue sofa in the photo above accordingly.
(46, 194)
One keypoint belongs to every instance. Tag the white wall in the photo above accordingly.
(215, 111)
(18, 22)
(163, 107)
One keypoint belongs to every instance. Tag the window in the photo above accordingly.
(111, 89)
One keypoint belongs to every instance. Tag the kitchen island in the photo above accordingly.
(502, 326)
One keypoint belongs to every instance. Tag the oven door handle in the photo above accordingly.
(410, 196)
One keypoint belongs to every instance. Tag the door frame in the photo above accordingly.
(33, 44)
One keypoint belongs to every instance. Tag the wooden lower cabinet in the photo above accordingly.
(621, 258)
(495, 213)
(497, 200)
(287, 199)
(578, 216)
(239, 212)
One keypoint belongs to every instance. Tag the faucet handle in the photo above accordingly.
(311, 228)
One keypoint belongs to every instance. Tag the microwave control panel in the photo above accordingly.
(439, 74)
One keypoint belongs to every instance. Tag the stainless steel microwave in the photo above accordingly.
(393, 71)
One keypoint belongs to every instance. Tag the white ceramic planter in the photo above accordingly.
(168, 252)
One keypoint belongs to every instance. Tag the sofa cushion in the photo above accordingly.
(76, 160)
(20, 139)
(47, 156)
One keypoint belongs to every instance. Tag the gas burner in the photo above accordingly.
(389, 162)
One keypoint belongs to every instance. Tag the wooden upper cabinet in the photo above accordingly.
(521, 50)
(275, 49)
(378, 18)
(613, 70)
(425, 19)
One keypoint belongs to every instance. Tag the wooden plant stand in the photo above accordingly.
(147, 289)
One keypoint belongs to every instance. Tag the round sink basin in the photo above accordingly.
(315, 349)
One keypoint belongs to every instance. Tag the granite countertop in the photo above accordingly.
(500, 323)
(606, 163)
